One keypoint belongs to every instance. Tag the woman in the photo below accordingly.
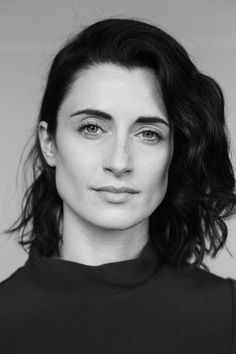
(127, 194)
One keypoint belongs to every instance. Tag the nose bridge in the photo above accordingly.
(119, 153)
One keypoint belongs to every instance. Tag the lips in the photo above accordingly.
(113, 189)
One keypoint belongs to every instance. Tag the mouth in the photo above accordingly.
(117, 190)
(115, 197)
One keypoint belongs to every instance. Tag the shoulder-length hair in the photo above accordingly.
(200, 193)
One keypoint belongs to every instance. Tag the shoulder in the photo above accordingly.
(198, 279)
(202, 298)
(233, 285)
(12, 280)
(11, 293)
(19, 296)
(13, 286)
(200, 302)
(17, 289)
(199, 291)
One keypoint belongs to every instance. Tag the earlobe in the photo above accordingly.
(47, 144)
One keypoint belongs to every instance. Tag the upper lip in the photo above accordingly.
(113, 189)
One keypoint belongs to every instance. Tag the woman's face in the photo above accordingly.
(113, 131)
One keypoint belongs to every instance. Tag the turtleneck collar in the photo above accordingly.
(72, 278)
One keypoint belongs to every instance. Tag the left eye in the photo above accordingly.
(150, 133)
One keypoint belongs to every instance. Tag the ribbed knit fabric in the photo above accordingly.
(107, 279)
(139, 306)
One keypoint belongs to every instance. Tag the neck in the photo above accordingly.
(93, 245)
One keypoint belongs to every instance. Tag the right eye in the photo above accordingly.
(85, 128)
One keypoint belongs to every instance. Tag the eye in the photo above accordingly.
(150, 134)
(86, 128)
(92, 129)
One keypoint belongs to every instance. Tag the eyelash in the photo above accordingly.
(85, 125)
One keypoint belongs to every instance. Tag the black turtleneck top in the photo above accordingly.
(139, 306)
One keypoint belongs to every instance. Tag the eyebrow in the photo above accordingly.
(106, 116)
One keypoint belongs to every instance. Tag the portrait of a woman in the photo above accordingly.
(132, 186)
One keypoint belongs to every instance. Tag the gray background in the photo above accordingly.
(31, 32)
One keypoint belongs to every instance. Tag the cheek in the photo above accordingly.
(155, 176)
(74, 169)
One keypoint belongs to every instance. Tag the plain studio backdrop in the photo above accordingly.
(31, 32)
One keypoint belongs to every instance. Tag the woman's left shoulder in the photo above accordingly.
(200, 282)
(205, 298)
(207, 279)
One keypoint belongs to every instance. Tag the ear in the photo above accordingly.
(47, 144)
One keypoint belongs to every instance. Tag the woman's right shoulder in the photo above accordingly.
(17, 295)
(13, 282)
(18, 286)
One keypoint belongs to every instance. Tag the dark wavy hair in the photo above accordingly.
(189, 223)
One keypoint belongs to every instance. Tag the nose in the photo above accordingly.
(118, 159)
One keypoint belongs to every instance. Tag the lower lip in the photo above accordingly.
(115, 197)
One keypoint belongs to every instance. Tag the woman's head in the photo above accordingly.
(129, 69)
(112, 130)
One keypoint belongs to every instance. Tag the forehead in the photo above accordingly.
(117, 89)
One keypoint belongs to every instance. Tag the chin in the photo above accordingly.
(116, 222)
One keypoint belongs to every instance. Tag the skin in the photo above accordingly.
(117, 152)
